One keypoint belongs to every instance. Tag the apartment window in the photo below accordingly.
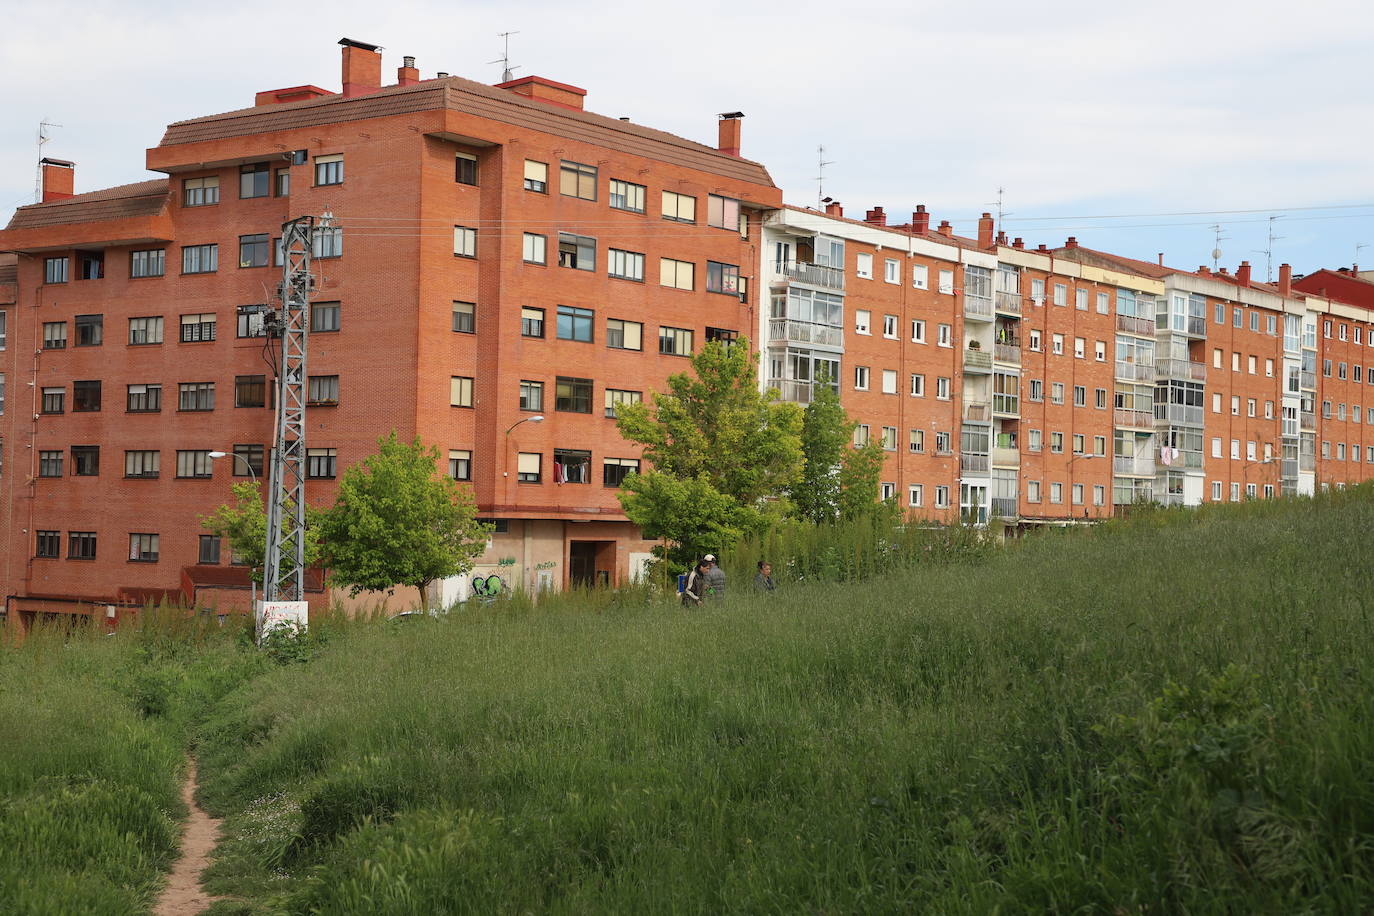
(250, 391)
(920, 276)
(48, 544)
(329, 169)
(918, 332)
(54, 335)
(627, 265)
(572, 466)
(255, 180)
(464, 168)
(863, 266)
(85, 460)
(916, 441)
(464, 242)
(1100, 351)
(1078, 443)
(1250, 364)
(1326, 410)
(1080, 299)
(1235, 487)
(1057, 443)
(573, 395)
(321, 463)
(145, 330)
(1254, 321)
(1061, 294)
(890, 327)
(942, 443)
(576, 251)
(947, 283)
(1036, 390)
(90, 330)
(460, 391)
(283, 182)
(861, 378)
(676, 274)
(465, 317)
(1034, 341)
(1099, 445)
(863, 321)
(535, 250)
(149, 263)
(918, 385)
(80, 545)
(1216, 402)
(1032, 491)
(1101, 398)
(615, 397)
(1057, 344)
(942, 388)
(1269, 369)
(327, 242)
(1340, 370)
(627, 196)
(55, 270)
(86, 396)
(531, 322)
(575, 323)
(460, 464)
(1216, 447)
(50, 462)
(1077, 494)
(1037, 291)
(1056, 493)
(624, 335)
(944, 336)
(861, 435)
(679, 207)
(722, 212)
(144, 399)
(915, 495)
(143, 548)
(890, 438)
(1056, 392)
(1080, 396)
(1237, 318)
(1079, 347)
(675, 341)
(193, 396)
(198, 328)
(527, 468)
(615, 470)
(209, 550)
(942, 497)
(324, 316)
(1235, 449)
(199, 259)
(577, 180)
(1249, 407)
(1034, 440)
(536, 176)
(1216, 484)
(1326, 368)
(531, 395)
(200, 192)
(892, 270)
(322, 389)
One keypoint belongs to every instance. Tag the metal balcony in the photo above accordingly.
(815, 274)
(1008, 303)
(788, 329)
(1307, 420)
(1307, 462)
(1133, 419)
(1006, 457)
(973, 464)
(1308, 380)
(1180, 369)
(1135, 372)
(1006, 353)
(1139, 466)
(1145, 327)
(792, 390)
(1003, 508)
(977, 361)
(1177, 413)
(977, 309)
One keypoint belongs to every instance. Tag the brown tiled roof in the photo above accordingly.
(1109, 261)
(478, 99)
(143, 198)
(959, 241)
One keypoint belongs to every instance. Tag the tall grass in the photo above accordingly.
(1169, 713)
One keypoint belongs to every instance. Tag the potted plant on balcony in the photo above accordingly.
(974, 345)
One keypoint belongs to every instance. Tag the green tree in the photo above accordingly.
(398, 521)
(244, 525)
(838, 481)
(719, 448)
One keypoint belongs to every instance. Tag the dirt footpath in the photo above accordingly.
(183, 894)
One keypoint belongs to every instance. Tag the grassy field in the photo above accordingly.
(1168, 715)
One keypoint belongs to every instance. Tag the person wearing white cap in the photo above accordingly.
(715, 579)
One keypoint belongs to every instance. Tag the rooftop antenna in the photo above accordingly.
(821, 163)
(43, 137)
(504, 60)
(1216, 252)
(1000, 212)
(1358, 246)
(1268, 250)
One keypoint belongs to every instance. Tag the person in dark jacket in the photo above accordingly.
(695, 589)
(715, 579)
(763, 580)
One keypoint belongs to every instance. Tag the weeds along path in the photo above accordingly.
(183, 894)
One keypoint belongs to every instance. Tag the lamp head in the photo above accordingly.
(216, 454)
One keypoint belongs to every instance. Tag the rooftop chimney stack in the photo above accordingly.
(1243, 273)
(945, 228)
(362, 68)
(920, 220)
(1285, 280)
(1018, 242)
(834, 209)
(985, 231)
(1071, 242)
(59, 178)
(876, 217)
(406, 74)
(547, 91)
(729, 133)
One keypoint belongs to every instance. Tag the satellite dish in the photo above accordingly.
(1216, 254)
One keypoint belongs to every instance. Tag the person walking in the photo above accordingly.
(715, 579)
(763, 579)
(695, 586)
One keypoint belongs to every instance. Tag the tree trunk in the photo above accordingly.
(424, 595)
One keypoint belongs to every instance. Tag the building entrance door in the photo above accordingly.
(582, 564)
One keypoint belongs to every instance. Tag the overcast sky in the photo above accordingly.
(1095, 117)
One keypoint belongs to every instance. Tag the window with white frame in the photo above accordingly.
(890, 327)
(944, 336)
(918, 385)
(862, 321)
(947, 282)
(536, 248)
(915, 495)
(942, 388)
(464, 242)
(918, 331)
(863, 266)
(916, 441)
(889, 381)
(892, 270)
(920, 276)
(861, 378)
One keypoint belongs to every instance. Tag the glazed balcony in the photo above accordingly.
(977, 308)
(1135, 372)
(1139, 466)
(789, 329)
(1180, 369)
(1134, 419)
(1007, 353)
(1008, 303)
(973, 464)
(1176, 413)
(1130, 324)
(815, 274)
(792, 390)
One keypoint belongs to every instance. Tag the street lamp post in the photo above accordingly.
(252, 586)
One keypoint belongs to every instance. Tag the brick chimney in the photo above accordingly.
(1243, 273)
(920, 220)
(729, 132)
(406, 74)
(1285, 280)
(1071, 242)
(362, 68)
(547, 91)
(985, 231)
(1042, 247)
(1018, 243)
(945, 228)
(876, 217)
(1203, 271)
(59, 178)
(1223, 272)
(834, 208)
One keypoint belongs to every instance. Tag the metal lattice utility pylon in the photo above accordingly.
(284, 575)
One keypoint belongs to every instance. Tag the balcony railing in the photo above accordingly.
(1006, 353)
(1307, 462)
(1181, 369)
(1133, 325)
(1135, 372)
(977, 361)
(805, 332)
(973, 464)
(1178, 413)
(1138, 419)
(1308, 380)
(1307, 420)
(1003, 508)
(977, 308)
(1010, 303)
(977, 412)
(792, 390)
(1139, 466)
(816, 274)
(1006, 457)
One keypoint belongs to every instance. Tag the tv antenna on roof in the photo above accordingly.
(1216, 252)
(821, 163)
(1000, 212)
(504, 60)
(1268, 250)
(43, 137)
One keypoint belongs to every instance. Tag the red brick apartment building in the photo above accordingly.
(504, 268)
